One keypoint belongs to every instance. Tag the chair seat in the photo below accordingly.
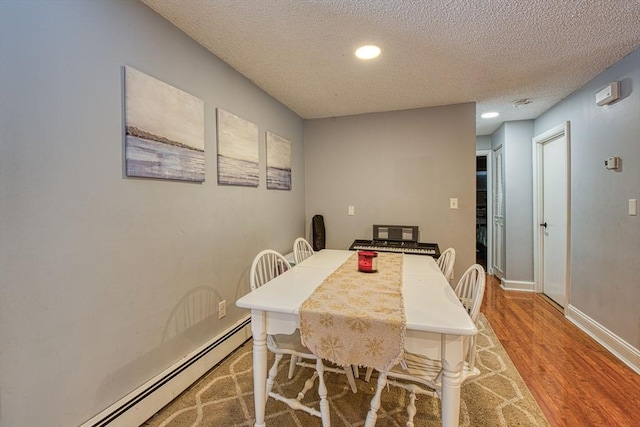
(426, 371)
(418, 367)
(292, 344)
(289, 344)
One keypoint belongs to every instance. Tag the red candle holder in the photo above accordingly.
(367, 261)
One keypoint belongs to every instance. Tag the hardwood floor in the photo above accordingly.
(575, 380)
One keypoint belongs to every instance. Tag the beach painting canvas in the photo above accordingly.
(278, 162)
(164, 130)
(237, 151)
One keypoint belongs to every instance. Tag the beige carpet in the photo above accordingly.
(224, 396)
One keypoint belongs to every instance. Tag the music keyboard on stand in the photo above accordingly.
(412, 248)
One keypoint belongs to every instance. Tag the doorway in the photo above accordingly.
(552, 213)
(483, 209)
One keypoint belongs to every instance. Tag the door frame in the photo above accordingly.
(538, 141)
(489, 155)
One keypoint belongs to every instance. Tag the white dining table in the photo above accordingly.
(436, 320)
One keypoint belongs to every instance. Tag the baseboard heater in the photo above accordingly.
(112, 416)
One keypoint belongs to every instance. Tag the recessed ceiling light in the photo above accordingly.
(490, 115)
(369, 51)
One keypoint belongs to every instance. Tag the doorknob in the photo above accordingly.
(544, 225)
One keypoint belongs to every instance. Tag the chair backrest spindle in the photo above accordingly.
(302, 249)
(446, 261)
(470, 290)
(267, 265)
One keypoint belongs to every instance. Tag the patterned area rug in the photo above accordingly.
(224, 396)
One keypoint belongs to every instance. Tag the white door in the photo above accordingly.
(498, 214)
(552, 155)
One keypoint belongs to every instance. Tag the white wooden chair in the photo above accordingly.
(267, 265)
(423, 375)
(446, 261)
(302, 250)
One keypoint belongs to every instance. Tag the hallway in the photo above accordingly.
(575, 380)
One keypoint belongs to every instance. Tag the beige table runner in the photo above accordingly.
(356, 318)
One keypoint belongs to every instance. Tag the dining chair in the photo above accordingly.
(266, 266)
(446, 261)
(302, 250)
(420, 374)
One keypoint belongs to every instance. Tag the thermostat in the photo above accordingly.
(608, 94)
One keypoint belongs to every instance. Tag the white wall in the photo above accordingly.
(399, 168)
(94, 266)
(605, 240)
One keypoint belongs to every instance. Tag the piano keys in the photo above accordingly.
(406, 247)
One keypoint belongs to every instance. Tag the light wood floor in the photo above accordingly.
(575, 380)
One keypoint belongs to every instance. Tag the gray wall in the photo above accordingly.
(395, 168)
(518, 173)
(483, 142)
(515, 139)
(605, 240)
(94, 266)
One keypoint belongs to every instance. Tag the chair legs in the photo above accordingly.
(292, 365)
(322, 392)
(367, 376)
(271, 378)
(411, 409)
(372, 416)
(413, 389)
(347, 371)
(324, 413)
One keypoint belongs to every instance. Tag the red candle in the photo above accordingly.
(367, 262)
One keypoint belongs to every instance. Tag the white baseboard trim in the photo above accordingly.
(139, 405)
(620, 348)
(516, 285)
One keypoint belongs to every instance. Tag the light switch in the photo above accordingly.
(633, 207)
(351, 211)
(453, 203)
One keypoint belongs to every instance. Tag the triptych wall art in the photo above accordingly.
(164, 130)
(278, 162)
(238, 151)
(164, 138)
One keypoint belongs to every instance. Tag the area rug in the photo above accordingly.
(224, 396)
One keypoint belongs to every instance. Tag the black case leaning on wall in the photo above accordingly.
(318, 233)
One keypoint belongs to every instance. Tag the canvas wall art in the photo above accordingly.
(238, 151)
(278, 162)
(164, 129)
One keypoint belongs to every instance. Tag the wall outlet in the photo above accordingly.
(612, 163)
(351, 211)
(222, 309)
(453, 203)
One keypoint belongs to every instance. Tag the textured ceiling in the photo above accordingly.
(434, 52)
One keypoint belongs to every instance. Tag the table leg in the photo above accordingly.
(259, 366)
(452, 364)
